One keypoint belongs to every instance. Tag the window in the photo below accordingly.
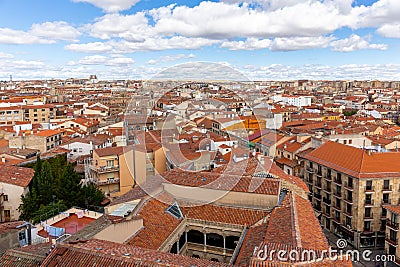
(367, 213)
(350, 182)
(349, 195)
(338, 190)
(368, 185)
(110, 163)
(348, 221)
(5, 197)
(337, 215)
(367, 226)
(348, 208)
(384, 212)
(368, 199)
(386, 184)
(328, 173)
(393, 235)
(393, 218)
(350, 142)
(385, 198)
(338, 203)
(7, 215)
(175, 211)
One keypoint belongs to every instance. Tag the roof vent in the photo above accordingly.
(158, 260)
(127, 254)
(204, 179)
(98, 248)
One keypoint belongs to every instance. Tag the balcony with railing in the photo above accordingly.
(328, 177)
(348, 199)
(327, 201)
(317, 195)
(392, 240)
(369, 216)
(337, 194)
(318, 184)
(392, 225)
(386, 202)
(337, 181)
(368, 203)
(336, 219)
(319, 173)
(104, 169)
(337, 206)
(327, 188)
(310, 170)
(349, 213)
(369, 190)
(348, 186)
(387, 188)
(326, 212)
(108, 181)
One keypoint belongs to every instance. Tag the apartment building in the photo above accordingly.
(115, 169)
(349, 187)
(10, 115)
(392, 231)
(43, 140)
(14, 182)
(38, 113)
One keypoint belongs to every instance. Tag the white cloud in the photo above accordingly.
(111, 5)
(389, 30)
(106, 61)
(44, 33)
(379, 13)
(10, 36)
(57, 30)
(157, 44)
(5, 55)
(27, 64)
(169, 58)
(300, 43)
(321, 72)
(222, 20)
(132, 27)
(95, 47)
(248, 44)
(354, 43)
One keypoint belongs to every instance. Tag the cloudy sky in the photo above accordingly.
(264, 39)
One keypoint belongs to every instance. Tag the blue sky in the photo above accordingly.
(265, 39)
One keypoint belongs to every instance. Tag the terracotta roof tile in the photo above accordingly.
(16, 175)
(356, 162)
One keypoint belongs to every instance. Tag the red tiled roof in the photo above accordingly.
(223, 181)
(109, 151)
(16, 175)
(356, 162)
(104, 253)
(47, 133)
(393, 208)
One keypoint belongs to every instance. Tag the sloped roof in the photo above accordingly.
(356, 162)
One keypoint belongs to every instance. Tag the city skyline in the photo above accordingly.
(264, 39)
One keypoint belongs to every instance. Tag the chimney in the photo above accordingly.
(3, 159)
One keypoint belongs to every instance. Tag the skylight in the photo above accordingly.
(175, 211)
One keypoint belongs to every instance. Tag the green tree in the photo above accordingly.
(48, 211)
(91, 196)
(38, 172)
(45, 184)
(30, 204)
(69, 189)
